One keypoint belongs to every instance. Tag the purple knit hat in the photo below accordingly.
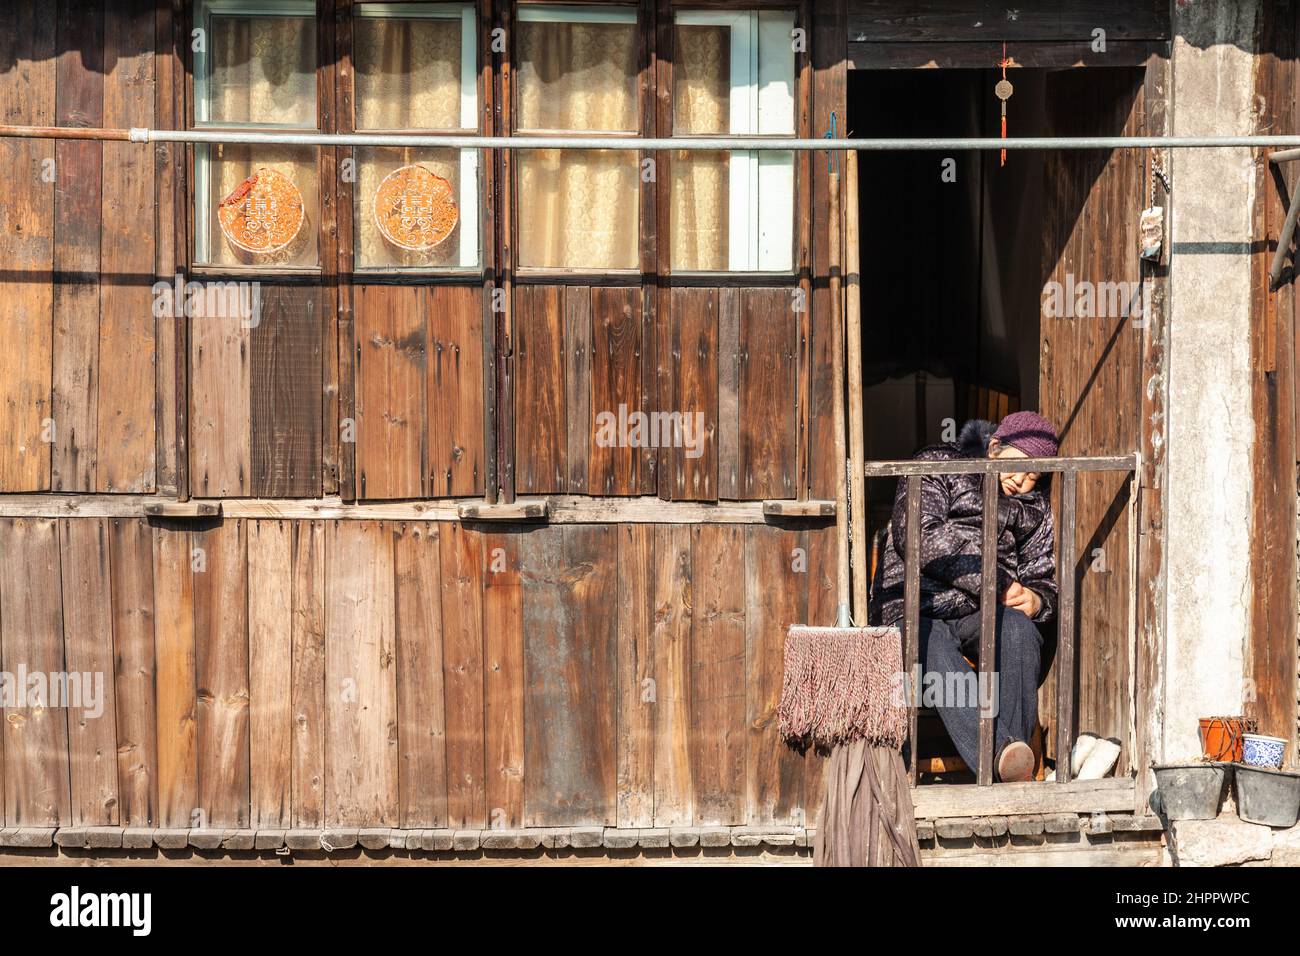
(1030, 432)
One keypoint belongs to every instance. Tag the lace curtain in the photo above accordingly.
(263, 71)
(577, 209)
(701, 106)
(407, 77)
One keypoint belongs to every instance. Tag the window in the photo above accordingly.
(577, 73)
(733, 74)
(256, 68)
(416, 71)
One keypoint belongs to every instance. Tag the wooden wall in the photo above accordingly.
(1270, 647)
(274, 673)
(1091, 374)
(85, 365)
(355, 384)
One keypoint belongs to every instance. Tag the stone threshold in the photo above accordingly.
(335, 839)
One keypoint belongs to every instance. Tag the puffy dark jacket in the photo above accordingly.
(951, 508)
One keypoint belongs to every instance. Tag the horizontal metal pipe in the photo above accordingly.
(638, 143)
(1284, 155)
(975, 466)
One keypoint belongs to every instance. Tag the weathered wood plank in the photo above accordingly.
(308, 690)
(818, 578)
(79, 101)
(361, 756)
(421, 715)
(570, 659)
(221, 674)
(1039, 55)
(178, 771)
(88, 647)
(729, 393)
(285, 398)
(36, 783)
(717, 677)
(270, 672)
(455, 400)
(462, 668)
(774, 784)
(171, 250)
(768, 437)
(970, 20)
(694, 394)
(503, 676)
(636, 697)
(391, 362)
(220, 407)
(829, 95)
(131, 565)
(580, 367)
(674, 795)
(27, 247)
(615, 387)
(127, 447)
(541, 413)
(1078, 796)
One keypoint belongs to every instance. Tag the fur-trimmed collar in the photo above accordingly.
(973, 439)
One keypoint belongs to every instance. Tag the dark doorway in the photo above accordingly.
(951, 249)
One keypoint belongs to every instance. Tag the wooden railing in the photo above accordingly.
(1069, 469)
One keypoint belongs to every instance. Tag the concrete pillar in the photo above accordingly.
(1211, 435)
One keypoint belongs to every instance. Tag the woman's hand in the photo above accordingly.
(1022, 599)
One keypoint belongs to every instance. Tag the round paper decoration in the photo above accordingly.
(263, 214)
(414, 209)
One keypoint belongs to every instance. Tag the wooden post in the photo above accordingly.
(988, 620)
(1065, 629)
(853, 354)
(837, 368)
(912, 609)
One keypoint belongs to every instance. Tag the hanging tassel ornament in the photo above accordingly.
(1003, 92)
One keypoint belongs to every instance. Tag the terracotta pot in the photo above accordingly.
(1221, 737)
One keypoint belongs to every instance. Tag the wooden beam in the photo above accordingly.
(975, 466)
(518, 510)
(989, 20)
(984, 55)
(809, 508)
(183, 509)
(1080, 796)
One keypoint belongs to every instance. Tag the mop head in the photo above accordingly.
(842, 684)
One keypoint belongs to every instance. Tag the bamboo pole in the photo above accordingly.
(837, 399)
(853, 355)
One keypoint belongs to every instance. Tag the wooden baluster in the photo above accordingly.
(912, 611)
(989, 598)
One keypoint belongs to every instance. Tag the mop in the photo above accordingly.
(840, 692)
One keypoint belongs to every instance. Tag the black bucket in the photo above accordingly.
(1192, 791)
(1267, 796)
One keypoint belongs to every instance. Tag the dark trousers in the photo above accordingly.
(945, 647)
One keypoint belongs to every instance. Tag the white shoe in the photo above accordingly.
(1082, 748)
(1099, 762)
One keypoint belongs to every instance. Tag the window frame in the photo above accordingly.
(546, 12)
(472, 164)
(749, 175)
(199, 154)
